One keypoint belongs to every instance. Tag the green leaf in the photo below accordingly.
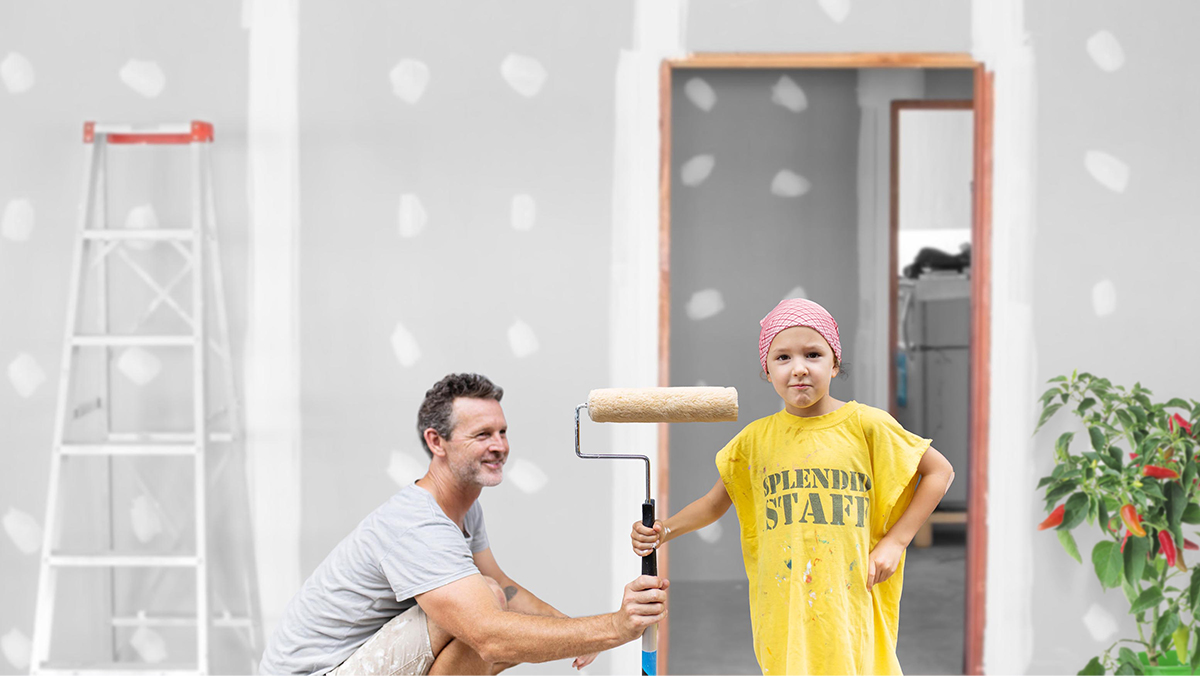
(1106, 559)
(1076, 511)
(1068, 543)
(1044, 480)
(1167, 623)
(1102, 516)
(1047, 413)
(1195, 662)
(1191, 514)
(1129, 658)
(1061, 491)
(1099, 441)
(1085, 405)
(1147, 600)
(1057, 379)
(1176, 402)
(1176, 504)
(1193, 595)
(1152, 488)
(1062, 445)
(1125, 669)
(1125, 418)
(1135, 558)
(1112, 458)
(1131, 592)
(1093, 668)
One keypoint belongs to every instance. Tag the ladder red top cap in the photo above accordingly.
(199, 132)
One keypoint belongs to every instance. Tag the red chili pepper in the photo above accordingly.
(1055, 518)
(1168, 546)
(1180, 564)
(1133, 456)
(1188, 544)
(1177, 420)
(1132, 520)
(1123, 541)
(1159, 472)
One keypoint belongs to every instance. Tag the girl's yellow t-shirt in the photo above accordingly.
(813, 497)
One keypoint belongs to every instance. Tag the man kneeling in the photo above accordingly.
(414, 589)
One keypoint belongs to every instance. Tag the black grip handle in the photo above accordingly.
(649, 561)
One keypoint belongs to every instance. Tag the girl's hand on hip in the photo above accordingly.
(646, 540)
(884, 561)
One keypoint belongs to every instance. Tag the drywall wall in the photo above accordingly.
(1113, 260)
(456, 200)
(61, 64)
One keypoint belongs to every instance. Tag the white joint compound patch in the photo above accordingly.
(1104, 298)
(26, 375)
(143, 77)
(524, 74)
(526, 476)
(140, 366)
(405, 347)
(17, 73)
(788, 94)
(24, 531)
(522, 339)
(149, 645)
(409, 80)
(17, 648)
(837, 10)
(700, 93)
(524, 212)
(406, 467)
(705, 304)
(1106, 51)
(1100, 623)
(1108, 171)
(696, 170)
(17, 225)
(797, 292)
(711, 533)
(141, 217)
(145, 518)
(411, 216)
(789, 184)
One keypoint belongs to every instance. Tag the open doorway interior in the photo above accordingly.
(781, 186)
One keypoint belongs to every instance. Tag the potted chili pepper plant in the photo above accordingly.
(1136, 477)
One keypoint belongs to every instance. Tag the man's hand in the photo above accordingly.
(884, 561)
(646, 540)
(584, 660)
(644, 604)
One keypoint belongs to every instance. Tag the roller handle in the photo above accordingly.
(649, 567)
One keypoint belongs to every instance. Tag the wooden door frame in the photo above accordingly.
(981, 242)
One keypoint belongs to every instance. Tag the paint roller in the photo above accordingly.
(654, 405)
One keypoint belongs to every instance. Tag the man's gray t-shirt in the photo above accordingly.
(406, 547)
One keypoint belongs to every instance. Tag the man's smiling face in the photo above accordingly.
(478, 445)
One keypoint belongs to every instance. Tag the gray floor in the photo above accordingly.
(710, 621)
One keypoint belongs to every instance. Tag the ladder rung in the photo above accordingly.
(139, 234)
(122, 561)
(167, 437)
(99, 340)
(117, 668)
(128, 449)
(177, 621)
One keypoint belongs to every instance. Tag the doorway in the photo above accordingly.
(742, 192)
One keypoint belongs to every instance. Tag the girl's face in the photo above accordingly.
(800, 367)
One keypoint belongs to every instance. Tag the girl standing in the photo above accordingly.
(828, 495)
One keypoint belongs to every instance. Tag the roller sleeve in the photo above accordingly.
(663, 404)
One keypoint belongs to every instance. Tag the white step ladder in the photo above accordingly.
(212, 435)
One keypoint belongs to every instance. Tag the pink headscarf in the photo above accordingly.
(798, 312)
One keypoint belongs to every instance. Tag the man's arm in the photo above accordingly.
(467, 609)
(519, 598)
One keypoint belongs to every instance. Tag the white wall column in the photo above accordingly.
(1001, 42)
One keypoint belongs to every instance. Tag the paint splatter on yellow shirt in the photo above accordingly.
(813, 496)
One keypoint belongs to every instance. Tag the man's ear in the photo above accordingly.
(435, 442)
